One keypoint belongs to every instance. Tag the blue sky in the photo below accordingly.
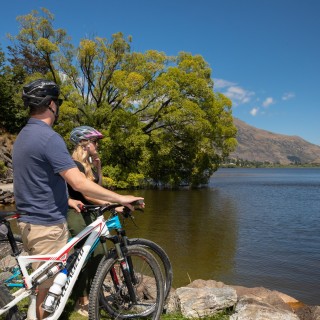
(264, 54)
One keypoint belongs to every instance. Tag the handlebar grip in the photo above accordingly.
(137, 202)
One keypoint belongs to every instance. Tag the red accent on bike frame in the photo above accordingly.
(124, 265)
(14, 216)
(114, 276)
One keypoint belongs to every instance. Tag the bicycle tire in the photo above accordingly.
(162, 258)
(7, 262)
(109, 299)
(13, 313)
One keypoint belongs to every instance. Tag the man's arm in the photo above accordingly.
(87, 187)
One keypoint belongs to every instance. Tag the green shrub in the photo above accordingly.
(3, 170)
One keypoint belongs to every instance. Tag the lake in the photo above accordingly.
(250, 227)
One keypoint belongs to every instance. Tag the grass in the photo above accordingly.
(224, 315)
(70, 314)
(176, 316)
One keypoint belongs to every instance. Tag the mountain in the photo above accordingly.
(261, 145)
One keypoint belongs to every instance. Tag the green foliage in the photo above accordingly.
(162, 120)
(135, 180)
(12, 113)
(109, 183)
(3, 169)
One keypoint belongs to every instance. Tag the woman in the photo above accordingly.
(86, 157)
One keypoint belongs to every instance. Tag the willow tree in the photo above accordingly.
(163, 121)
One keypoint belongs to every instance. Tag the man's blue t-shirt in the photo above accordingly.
(39, 154)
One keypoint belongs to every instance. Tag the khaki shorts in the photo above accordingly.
(39, 239)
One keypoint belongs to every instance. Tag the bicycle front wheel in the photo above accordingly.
(162, 258)
(111, 295)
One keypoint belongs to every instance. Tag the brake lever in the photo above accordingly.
(126, 212)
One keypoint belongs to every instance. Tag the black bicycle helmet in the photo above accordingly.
(40, 92)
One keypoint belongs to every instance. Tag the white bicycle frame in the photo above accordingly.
(96, 229)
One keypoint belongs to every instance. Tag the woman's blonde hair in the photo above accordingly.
(81, 154)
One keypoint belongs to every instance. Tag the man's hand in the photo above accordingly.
(127, 200)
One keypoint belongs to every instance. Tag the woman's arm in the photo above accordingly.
(80, 183)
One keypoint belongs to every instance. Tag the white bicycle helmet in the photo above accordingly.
(84, 133)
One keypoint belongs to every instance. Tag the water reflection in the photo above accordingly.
(197, 228)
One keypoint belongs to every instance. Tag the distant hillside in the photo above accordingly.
(261, 145)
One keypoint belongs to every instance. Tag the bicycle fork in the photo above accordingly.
(129, 260)
(127, 271)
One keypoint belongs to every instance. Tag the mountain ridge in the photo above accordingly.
(258, 145)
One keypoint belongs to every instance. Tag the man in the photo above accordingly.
(41, 167)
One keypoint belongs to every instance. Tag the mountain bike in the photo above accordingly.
(10, 274)
(122, 238)
(126, 284)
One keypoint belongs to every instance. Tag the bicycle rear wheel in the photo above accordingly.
(162, 258)
(109, 295)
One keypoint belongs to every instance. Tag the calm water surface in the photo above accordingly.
(251, 227)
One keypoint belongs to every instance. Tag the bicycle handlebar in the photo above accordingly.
(126, 212)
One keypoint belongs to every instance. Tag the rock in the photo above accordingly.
(273, 298)
(205, 301)
(276, 303)
(204, 298)
(6, 142)
(315, 313)
(6, 197)
(305, 313)
(254, 309)
(172, 303)
(206, 283)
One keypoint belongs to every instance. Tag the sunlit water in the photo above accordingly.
(251, 227)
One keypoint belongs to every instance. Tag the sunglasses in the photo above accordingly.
(58, 102)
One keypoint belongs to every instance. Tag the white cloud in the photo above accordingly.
(266, 103)
(237, 94)
(240, 96)
(220, 83)
(254, 111)
(288, 95)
